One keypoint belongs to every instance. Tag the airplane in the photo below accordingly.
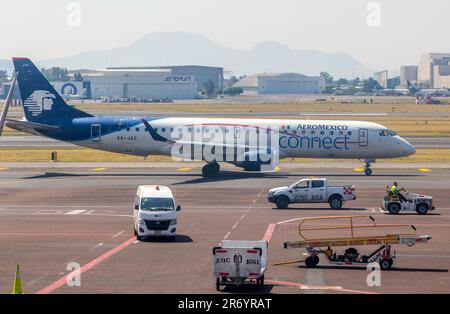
(379, 90)
(436, 92)
(48, 115)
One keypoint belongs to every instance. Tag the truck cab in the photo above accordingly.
(311, 190)
(155, 212)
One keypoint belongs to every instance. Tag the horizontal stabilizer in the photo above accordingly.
(29, 127)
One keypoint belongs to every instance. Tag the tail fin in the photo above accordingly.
(41, 102)
(411, 87)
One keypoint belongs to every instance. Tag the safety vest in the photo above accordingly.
(394, 190)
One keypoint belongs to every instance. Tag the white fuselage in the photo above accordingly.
(297, 138)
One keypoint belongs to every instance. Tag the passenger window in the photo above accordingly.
(163, 129)
(331, 132)
(316, 184)
(128, 129)
(349, 132)
(137, 129)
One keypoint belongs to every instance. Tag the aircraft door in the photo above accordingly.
(363, 137)
(96, 133)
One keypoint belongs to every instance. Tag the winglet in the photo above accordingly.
(153, 132)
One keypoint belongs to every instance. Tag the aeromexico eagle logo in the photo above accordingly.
(39, 101)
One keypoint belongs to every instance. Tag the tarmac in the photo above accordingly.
(53, 214)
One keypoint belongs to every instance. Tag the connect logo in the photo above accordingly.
(39, 101)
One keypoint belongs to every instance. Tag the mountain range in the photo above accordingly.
(181, 48)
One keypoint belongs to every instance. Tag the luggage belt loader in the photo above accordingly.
(383, 254)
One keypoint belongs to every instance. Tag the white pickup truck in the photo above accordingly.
(314, 190)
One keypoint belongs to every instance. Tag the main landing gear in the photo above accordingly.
(210, 170)
(367, 169)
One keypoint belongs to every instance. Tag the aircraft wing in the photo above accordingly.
(270, 156)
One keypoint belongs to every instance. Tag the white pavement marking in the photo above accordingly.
(242, 217)
(96, 246)
(76, 212)
(227, 235)
(117, 234)
(286, 221)
(235, 225)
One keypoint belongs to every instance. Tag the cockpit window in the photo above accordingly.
(387, 133)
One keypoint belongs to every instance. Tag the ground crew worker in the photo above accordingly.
(396, 192)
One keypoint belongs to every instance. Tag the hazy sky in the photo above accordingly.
(39, 29)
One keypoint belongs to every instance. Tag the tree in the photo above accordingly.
(234, 91)
(356, 81)
(56, 74)
(342, 81)
(393, 82)
(370, 85)
(210, 87)
(327, 76)
(233, 80)
(78, 77)
(3, 76)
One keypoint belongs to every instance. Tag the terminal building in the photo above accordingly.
(434, 70)
(281, 83)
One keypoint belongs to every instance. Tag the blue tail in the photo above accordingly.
(41, 102)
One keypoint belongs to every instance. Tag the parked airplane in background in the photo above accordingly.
(432, 92)
(380, 91)
(47, 114)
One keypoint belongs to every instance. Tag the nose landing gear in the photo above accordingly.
(367, 169)
(210, 170)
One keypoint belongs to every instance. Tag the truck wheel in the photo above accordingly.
(261, 280)
(135, 233)
(218, 284)
(311, 261)
(368, 172)
(386, 263)
(335, 202)
(422, 209)
(394, 208)
(282, 202)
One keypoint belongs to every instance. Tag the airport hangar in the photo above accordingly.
(176, 82)
(281, 83)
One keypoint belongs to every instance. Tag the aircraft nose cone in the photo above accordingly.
(408, 149)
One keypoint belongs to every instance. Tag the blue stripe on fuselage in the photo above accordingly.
(79, 129)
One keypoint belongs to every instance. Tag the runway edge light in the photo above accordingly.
(17, 288)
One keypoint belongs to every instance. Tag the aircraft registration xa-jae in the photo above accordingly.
(205, 139)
